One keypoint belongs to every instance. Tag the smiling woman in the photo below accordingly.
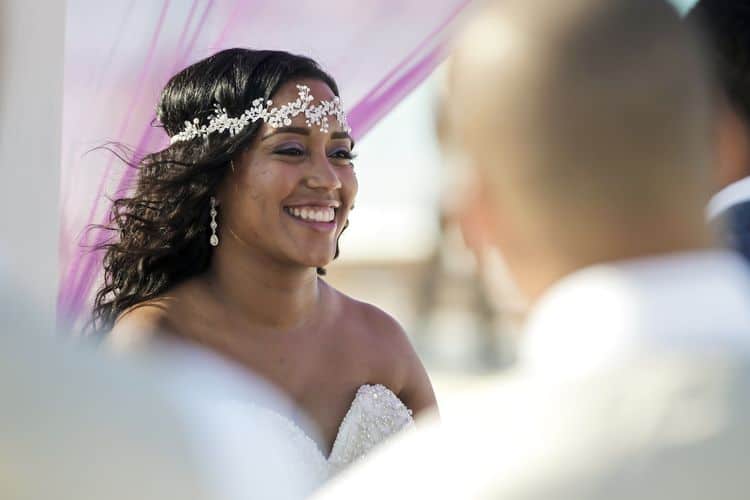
(224, 239)
(289, 195)
(163, 228)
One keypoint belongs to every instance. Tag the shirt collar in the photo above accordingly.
(733, 194)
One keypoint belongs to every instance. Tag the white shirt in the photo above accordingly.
(733, 194)
(602, 314)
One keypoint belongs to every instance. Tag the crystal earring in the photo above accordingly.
(214, 240)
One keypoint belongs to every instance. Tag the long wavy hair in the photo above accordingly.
(161, 231)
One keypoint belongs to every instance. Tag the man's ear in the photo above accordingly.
(733, 147)
(478, 218)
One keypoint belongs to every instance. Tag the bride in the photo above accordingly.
(224, 243)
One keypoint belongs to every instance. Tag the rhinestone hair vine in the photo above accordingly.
(220, 121)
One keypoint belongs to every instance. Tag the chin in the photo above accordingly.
(322, 263)
(317, 260)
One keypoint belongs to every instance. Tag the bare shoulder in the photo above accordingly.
(372, 323)
(139, 326)
(390, 352)
(379, 321)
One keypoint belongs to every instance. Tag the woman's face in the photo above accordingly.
(290, 193)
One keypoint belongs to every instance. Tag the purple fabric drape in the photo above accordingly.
(119, 54)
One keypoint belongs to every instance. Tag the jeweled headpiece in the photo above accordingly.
(220, 121)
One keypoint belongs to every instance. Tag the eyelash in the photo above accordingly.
(290, 152)
(347, 155)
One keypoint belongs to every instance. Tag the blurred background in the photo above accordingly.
(403, 251)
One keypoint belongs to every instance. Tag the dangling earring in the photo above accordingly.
(214, 240)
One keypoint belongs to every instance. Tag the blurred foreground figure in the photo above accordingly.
(74, 426)
(726, 26)
(588, 122)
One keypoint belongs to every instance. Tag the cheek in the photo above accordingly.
(349, 185)
(256, 182)
(266, 185)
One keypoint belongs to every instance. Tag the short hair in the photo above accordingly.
(610, 101)
(725, 25)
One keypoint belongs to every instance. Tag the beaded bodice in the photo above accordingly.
(375, 414)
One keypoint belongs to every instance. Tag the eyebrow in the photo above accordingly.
(343, 135)
(305, 131)
(287, 130)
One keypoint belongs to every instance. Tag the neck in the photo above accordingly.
(264, 291)
(561, 259)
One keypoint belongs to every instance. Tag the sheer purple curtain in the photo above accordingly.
(119, 54)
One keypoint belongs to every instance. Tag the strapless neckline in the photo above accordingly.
(375, 414)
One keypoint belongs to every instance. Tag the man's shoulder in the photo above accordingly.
(678, 413)
(536, 437)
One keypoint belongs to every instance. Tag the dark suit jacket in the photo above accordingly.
(736, 230)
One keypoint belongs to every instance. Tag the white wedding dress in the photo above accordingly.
(232, 406)
(375, 414)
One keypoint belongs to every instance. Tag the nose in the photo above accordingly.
(322, 175)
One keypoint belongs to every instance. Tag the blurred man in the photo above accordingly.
(75, 426)
(726, 26)
(588, 122)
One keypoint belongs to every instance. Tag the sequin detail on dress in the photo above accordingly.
(375, 414)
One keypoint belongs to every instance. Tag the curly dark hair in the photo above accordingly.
(161, 231)
(725, 24)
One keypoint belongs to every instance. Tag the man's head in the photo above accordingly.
(726, 27)
(589, 124)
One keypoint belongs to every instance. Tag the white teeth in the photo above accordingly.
(316, 214)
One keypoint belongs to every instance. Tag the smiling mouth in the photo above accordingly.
(312, 214)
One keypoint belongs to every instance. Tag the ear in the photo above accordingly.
(478, 218)
(733, 147)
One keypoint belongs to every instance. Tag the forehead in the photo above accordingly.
(288, 92)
